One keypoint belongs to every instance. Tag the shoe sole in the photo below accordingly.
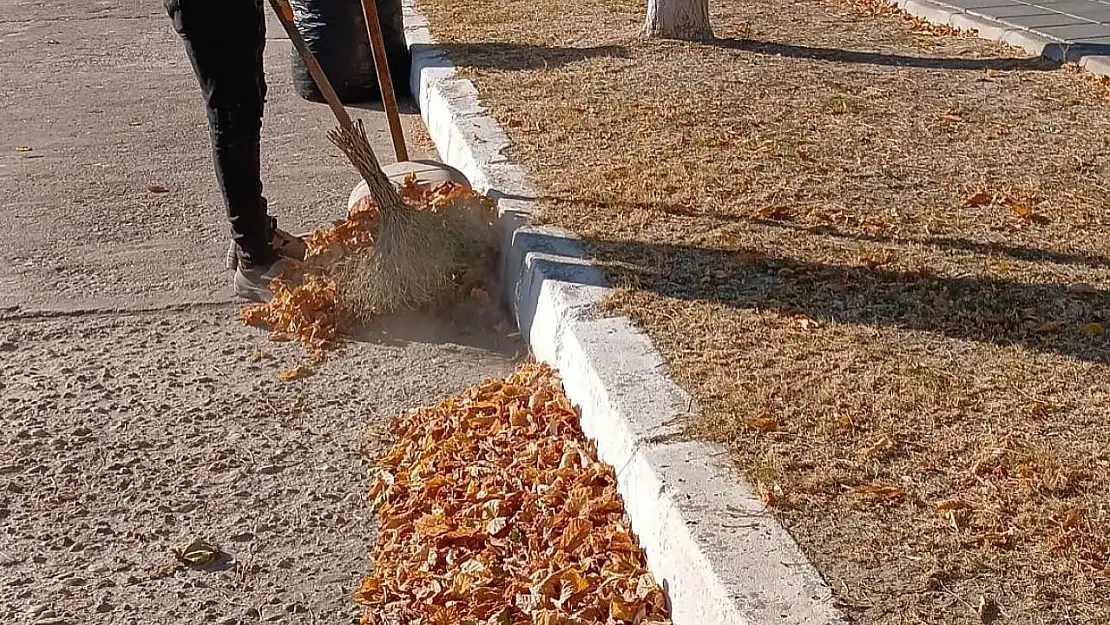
(231, 257)
(245, 290)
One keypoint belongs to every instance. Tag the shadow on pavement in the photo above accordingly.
(405, 105)
(1074, 51)
(468, 324)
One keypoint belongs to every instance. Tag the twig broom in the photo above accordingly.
(414, 252)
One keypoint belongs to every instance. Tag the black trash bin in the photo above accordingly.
(335, 32)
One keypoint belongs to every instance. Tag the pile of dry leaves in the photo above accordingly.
(495, 510)
(308, 301)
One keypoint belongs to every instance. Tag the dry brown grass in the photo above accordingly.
(877, 254)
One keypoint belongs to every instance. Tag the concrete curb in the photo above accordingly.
(722, 560)
(986, 27)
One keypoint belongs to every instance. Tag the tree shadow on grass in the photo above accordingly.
(516, 57)
(977, 309)
(837, 55)
(986, 248)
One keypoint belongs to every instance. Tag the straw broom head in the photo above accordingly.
(415, 254)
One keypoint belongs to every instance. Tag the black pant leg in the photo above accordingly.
(225, 41)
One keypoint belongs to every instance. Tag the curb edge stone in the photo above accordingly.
(708, 539)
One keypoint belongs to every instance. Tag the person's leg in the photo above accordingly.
(225, 41)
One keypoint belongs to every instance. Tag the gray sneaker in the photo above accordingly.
(253, 284)
(285, 244)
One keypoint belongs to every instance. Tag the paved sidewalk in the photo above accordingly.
(1073, 21)
(1075, 31)
(136, 411)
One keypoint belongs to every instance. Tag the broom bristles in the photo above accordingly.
(415, 253)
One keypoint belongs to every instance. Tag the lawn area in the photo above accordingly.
(878, 255)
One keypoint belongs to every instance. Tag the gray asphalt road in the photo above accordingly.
(136, 412)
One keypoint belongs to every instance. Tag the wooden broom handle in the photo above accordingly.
(385, 82)
(285, 15)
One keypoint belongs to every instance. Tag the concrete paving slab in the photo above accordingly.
(1036, 14)
(987, 4)
(1074, 33)
(1059, 30)
(1021, 10)
(1050, 20)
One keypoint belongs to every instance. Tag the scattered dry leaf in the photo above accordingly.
(494, 505)
(879, 448)
(876, 259)
(765, 422)
(306, 305)
(296, 373)
(979, 198)
(480, 295)
(197, 553)
(1091, 329)
(1022, 210)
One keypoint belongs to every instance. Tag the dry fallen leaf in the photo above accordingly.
(198, 552)
(574, 533)
(979, 198)
(296, 373)
(876, 260)
(955, 503)
(493, 503)
(765, 422)
(1022, 210)
(306, 305)
(480, 295)
(1091, 329)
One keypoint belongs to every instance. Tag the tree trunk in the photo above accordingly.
(678, 19)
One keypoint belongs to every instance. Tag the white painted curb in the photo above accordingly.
(988, 28)
(722, 560)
